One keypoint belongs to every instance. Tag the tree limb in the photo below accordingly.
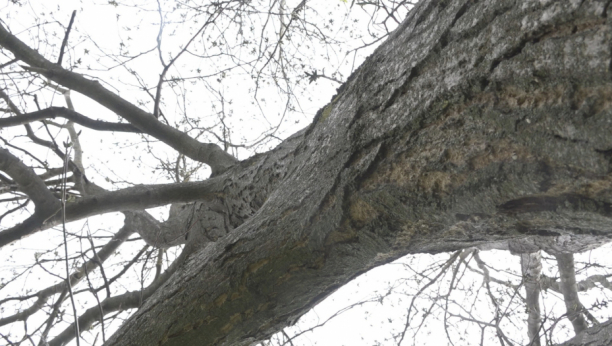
(29, 183)
(132, 198)
(531, 267)
(208, 153)
(126, 301)
(570, 293)
(53, 112)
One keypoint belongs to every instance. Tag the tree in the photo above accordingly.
(476, 124)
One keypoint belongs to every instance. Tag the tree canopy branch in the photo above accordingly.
(44, 294)
(53, 112)
(29, 183)
(208, 153)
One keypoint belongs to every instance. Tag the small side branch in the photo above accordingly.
(59, 60)
(133, 198)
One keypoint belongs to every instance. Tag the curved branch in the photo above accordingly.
(208, 153)
(53, 112)
(29, 183)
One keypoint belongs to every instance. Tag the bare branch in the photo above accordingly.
(43, 295)
(29, 183)
(129, 300)
(570, 293)
(53, 112)
(531, 267)
(207, 153)
(133, 198)
(65, 41)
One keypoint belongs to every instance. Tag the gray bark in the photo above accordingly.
(476, 122)
(594, 336)
(570, 292)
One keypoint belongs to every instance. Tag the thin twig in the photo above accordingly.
(68, 283)
(61, 56)
(99, 261)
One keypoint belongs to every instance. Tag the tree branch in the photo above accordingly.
(129, 300)
(531, 267)
(53, 112)
(75, 278)
(29, 183)
(65, 41)
(597, 335)
(208, 153)
(132, 198)
(570, 293)
(549, 283)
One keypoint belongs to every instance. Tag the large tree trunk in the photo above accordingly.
(476, 122)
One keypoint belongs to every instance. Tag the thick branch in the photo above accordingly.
(28, 182)
(43, 295)
(207, 153)
(531, 268)
(53, 112)
(570, 293)
(133, 198)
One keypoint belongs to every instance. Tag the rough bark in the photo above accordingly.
(476, 122)
(594, 336)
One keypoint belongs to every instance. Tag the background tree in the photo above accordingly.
(465, 131)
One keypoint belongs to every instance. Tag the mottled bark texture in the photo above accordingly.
(476, 122)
